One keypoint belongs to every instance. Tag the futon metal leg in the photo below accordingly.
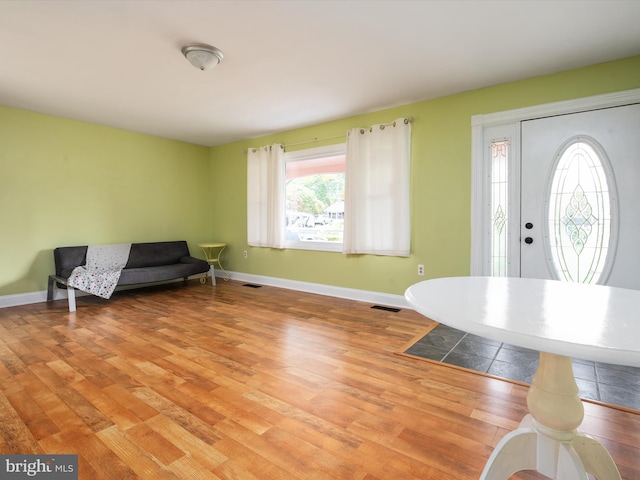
(71, 296)
(50, 288)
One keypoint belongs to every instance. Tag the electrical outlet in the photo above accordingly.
(421, 270)
(244, 254)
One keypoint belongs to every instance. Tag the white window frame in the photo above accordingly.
(310, 154)
(481, 214)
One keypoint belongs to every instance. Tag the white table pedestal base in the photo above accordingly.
(547, 440)
(528, 449)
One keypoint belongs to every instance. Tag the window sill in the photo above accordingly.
(316, 246)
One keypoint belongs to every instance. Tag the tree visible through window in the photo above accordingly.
(314, 198)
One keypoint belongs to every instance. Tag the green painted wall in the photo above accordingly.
(64, 182)
(441, 182)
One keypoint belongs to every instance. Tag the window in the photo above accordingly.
(499, 207)
(494, 217)
(297, 199)
(579, 214)
(314, 198)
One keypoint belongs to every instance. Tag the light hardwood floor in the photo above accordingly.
(231, 382)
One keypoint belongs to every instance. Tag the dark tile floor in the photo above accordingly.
(612, 384)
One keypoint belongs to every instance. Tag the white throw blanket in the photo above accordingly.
(102, 271)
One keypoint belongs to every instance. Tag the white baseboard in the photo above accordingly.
(35, 297)
(385, 299)
(376, 298)
(23, 299)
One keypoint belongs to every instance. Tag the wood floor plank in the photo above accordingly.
(140, 458)
(228, 382)
(30, 414)
(187, 468)
(15, 433)
(107, 405)
(205, 453)
(244, 463)
(95, 459)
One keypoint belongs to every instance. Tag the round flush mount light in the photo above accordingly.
(202, 56)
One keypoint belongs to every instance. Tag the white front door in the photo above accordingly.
(580, 197)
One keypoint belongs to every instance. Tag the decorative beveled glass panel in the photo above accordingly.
(579, 214)
(499, 207)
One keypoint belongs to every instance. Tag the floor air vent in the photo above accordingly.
(386, 309)
(251, 285)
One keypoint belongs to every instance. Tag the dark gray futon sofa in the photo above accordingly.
(148, 263)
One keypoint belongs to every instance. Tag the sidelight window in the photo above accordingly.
(499, 207)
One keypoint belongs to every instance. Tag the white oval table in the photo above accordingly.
(561, 320)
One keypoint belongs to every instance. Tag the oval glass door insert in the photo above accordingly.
(580, 214)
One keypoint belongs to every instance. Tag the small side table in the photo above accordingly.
(212, 253)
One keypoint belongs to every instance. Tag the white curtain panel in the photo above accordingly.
(377, 190)
(265, 196)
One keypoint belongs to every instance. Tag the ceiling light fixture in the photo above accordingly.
(202, 56)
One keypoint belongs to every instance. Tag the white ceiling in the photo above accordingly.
(287, 63)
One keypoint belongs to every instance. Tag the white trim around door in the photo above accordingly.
(499, 126)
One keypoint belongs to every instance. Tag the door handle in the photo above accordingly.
(528, 240)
